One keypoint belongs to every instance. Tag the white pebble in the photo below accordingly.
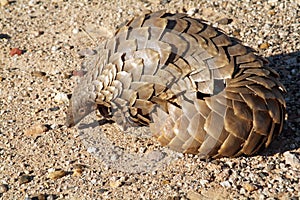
(291, 159)
(225, 184)
(61, 98)
(203, 182)
(192, 11)
(92, 149)
(75, 31)
(54, 48)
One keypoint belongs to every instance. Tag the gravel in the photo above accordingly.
(42, 45)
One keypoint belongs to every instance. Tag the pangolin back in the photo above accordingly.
(200, 91)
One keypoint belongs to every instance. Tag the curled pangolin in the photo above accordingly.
(199, 90)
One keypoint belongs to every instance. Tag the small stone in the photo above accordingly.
(294, 71)
(61, 98)
(236, 33)
(249, 187)
(24, 179)
(242, 191)
(271, 12)
(38, 73)
(273, 1)
(292, 159)
(224, 21)
(86, 52)
(264, 45)
(225, 184)
(15, 51)
(79, 73)
(36, 130)
(37, 33)
(67, 75)
(39, 197)
(51, 197)
(163, 2)
(56, 108)
(77, 172)
(194, 195)
(91, 149)
(192, 11)
(203, 182)
(115, 184)
(54, 48)
(103, 190)
(3, 188)
(57, 174)
(4, 2)
(75, 31)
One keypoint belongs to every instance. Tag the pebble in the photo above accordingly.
(294, 71)
(236, 33)
(37, 33)
(39, 197)
(242, 191)
(55, 108)
(61, 98)
(36, 130)
(194, 195)
(273, 1)
(115, 184)
(15, 51)
(24, 179)
(38, 73)
(264, 45)
(225, 184)
(292, 159)
(4, 2)
(192, 11)
(94, 181)
(3, 188)
(91, 149)
(224, 21)
(54, 48)
(203, 182)
(103, 190)
(77, 172)
(249, 187)
(86, 52)
(75, 31)
(57, 174)
(79, 73)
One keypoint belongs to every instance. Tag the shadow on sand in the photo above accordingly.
(288, 65)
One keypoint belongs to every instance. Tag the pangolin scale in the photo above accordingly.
(200, 91)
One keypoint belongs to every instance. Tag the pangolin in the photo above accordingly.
(199, 90)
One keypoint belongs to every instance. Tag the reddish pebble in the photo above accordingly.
(15, 51)
(78, 73)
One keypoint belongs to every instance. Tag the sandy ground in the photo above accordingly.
(40, 158)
